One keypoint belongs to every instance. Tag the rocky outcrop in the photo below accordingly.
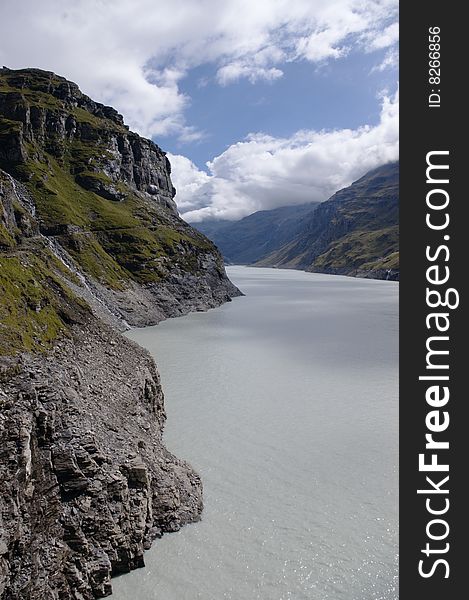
(50, 112)
(87, 483)
(90, 243)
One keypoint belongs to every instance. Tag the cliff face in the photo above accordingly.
(356, 232)
(87, 483)
(43, 113)
(104, 199)
(90, 241)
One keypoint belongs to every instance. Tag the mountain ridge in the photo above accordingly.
(355, 232)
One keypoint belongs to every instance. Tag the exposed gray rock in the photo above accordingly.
(125, 156)
(87, 483)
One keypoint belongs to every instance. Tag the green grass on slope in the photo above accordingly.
(358, 249)
(388, 262)
(36, 306)
(6, 239)
(129, 238)
(113, 241)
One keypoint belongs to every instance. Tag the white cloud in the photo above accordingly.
(390, 61)
(386, 38)
(235, 71)
(265, 172)
(190, 181)
(132, 54)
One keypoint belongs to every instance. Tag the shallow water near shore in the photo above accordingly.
(286, 403)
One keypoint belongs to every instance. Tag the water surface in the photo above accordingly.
(285, 401)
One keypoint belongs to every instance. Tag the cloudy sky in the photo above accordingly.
(260, 103)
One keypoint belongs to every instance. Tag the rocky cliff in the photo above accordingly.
(103, 198)
(87, 483)
(90, 242)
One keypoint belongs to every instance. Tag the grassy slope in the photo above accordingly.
(356, 230)
(372, 212)
(115, 242)
(36, 305)
(364, 250)
(129, 238)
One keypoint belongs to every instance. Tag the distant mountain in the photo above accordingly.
(253, 238)
(356, 232)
